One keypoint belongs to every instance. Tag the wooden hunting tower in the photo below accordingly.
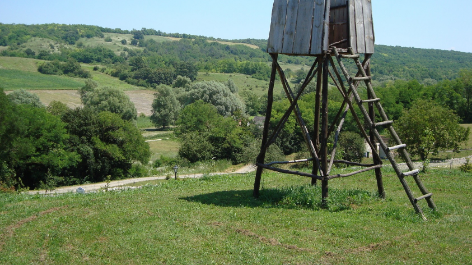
(324, 29)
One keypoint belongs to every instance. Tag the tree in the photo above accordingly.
(353, 146)
(181, 81)
(216, 94)
(112, 100)
(138, 35)
(39, 150)
(30, 53)
(206, 134)
(24, 97)
(197, 117)
(106, 144)
(8, 127)
(57, 108)
(428, 127)
(186, 69)
(232, 86)
(466, 80)
(254, 104)
(165, 107)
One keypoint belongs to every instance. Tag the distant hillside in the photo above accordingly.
(121, 49)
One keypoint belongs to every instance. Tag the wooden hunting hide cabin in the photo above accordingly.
(310, 27)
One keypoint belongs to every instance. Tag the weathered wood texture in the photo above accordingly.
(309, 27)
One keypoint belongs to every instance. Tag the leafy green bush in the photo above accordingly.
(467, 167)
(138, 171)
(166, 161)
(24, 97)
(70, 68)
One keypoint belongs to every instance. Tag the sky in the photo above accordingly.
(436, 24)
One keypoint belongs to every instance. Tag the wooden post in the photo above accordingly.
(378, 171)
(316, 130)
(270, 99)
(324, 132)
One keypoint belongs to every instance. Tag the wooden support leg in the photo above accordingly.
(270, 99)
(316, 135)
(324, 132)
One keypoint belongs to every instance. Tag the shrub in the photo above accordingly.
(24, 97)
(353, 146)
(138, 171)
(467, 167)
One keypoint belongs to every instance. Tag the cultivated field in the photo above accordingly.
(215, 220)
(142, 99)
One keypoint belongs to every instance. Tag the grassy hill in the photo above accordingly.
(22, 73)
(215, 220)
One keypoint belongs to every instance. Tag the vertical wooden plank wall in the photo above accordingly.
(325, 34)
(277, 26)
(301, 27)
(368, 26)
(360, 33)
(318, 25)
(290, 27)
(304, 27)
(352, 26)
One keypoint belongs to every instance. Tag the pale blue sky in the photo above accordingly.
(438, 24)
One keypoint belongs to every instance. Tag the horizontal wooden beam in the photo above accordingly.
(354, 173)
(352, 163)
(303, 174)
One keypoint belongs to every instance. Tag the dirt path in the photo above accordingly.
(118, 184)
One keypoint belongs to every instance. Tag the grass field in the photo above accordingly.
(243, 82)
(215, 220)
(468, 145)
(22, 73)
(165, 146)
(17, 79)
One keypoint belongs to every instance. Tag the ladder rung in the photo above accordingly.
(384, 123)
(397, 147)
(361, 78)
(354, 56)
(423, 197)
(411, 173)
(370, 100)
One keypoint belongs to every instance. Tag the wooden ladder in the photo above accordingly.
(353, 81)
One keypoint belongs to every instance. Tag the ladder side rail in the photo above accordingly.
(377, 135)
(397, 139)
(355, 116)
(340, 86)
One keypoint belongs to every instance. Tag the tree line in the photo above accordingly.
(44, 147)
(391, 63)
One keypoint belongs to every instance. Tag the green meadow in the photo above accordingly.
(215, 220)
